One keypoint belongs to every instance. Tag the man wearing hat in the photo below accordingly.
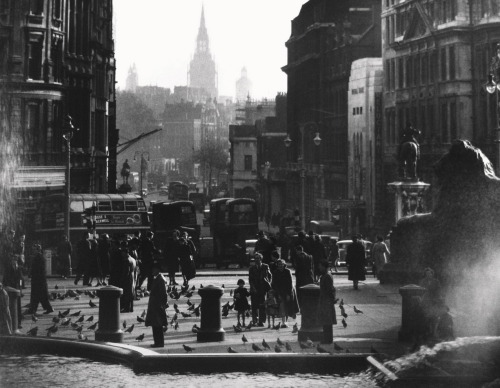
(156, 317)
(356, 260)
(259, 277)
(264, 246)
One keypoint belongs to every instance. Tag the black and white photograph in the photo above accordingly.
(266, 193)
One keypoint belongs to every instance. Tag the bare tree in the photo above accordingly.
(213, 157)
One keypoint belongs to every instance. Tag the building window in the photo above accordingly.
(57, 9)
(443, 64)
(35, 59)
(31, 138)
(416, 70)
(248, 162)
(36, 7)
(430, 121)
(452, 62)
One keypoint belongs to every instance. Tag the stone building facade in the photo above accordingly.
(57, 59)
(326, 37)
(437, 57)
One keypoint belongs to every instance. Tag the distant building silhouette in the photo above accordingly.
(243, 86)
(202, 73)
(132, 81)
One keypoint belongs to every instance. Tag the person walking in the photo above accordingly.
(171, 253)
(356, 261)
(64, 252)
(282, 284)
(327, 298)
(156, 317)
(186, 260)
(333, 255)
(379, 255)
(127, 282)
(39, 287)
(304, 268)
(259, 278)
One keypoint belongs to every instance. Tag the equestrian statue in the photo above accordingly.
(125, 172)
(409, 153)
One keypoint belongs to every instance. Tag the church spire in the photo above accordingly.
(202, 42)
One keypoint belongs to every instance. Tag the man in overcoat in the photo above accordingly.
(259, 278)
(356, 261)
(156, 317)
(327, 299)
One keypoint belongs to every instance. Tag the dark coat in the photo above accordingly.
(258, 277)
(171, 253)
(240, 299)
(282, 284)
(83, 254)
(156, 315)
(356, 261)
(304, 270)
(326, 304)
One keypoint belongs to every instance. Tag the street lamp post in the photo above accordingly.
(68, 131)
(302, 169)
(493, 87)
(143, 163)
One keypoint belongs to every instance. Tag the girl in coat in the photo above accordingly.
(240, 301)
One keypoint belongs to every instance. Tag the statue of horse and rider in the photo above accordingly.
(409, 153)
(125, 172)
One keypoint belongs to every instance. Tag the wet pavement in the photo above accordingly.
(375, 329)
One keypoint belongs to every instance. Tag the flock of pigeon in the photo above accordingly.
(76, 321)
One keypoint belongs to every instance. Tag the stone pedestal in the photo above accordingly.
(14, 296)
(211, 315)
(109, 315)
(408, 198)
(409, 294)
(309, 325)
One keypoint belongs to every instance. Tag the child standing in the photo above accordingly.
(240, 301)
(272, 306)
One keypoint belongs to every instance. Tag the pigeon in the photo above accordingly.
(52, 329)
(81, 319)
(231, 306)
(222, 286)
(337, 347)
(64, 313)
(56, 287)
(56, 319)
(231, 350)
(139, 338)
(295, 329)
(79, 329)
(189, 303)
(195, 328)
(191, 308)
(33, 332)
(357, 311)
(344, 323)
(303, 346)
(280, 342)
(143, 314)
(124, 324)
(196, 311)
(193, 288)
(82, 337)
(288, 347)
(92, 304)
(189, 294)
(244, 339)
(321, 349)
(185, 315)
(95, 325)
(176, 326)
(66, 323)
(255, 348)
(34, 318)
(237, 329)
(309, 342)
(250, 325)
(277, 349)
(188, 349)
(75, 314)
(140, 319)
(74, 325)
(90, 319)
(130, 328)
(277, 327)
(265, 344)
(225, 313)
(201, 286)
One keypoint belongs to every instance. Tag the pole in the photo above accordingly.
(302, 182)
(140, 175)
(67, 189)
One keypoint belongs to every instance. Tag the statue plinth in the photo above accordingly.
(408, 197)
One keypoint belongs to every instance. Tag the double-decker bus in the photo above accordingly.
(178, 191)
(117, 215)
(232, 221)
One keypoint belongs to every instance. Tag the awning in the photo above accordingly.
(39, 177)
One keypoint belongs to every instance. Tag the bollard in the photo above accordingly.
(14, 301)
(309, 326)
(409, 313)
(109, 315)
(211, 320)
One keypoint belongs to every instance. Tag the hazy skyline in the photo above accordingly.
(159, 36)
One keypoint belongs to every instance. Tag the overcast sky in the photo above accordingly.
(159, 36)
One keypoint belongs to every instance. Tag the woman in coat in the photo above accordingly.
(326, 306)
(356, 261)
(282, 284)
(156, 317)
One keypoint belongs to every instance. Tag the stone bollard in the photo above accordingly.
(109, 315)
(211, 320)
(309, 300)
(14, 302)
(410, 312)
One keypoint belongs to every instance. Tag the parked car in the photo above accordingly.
(163, 191)
(343, 244)
(250, 248)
